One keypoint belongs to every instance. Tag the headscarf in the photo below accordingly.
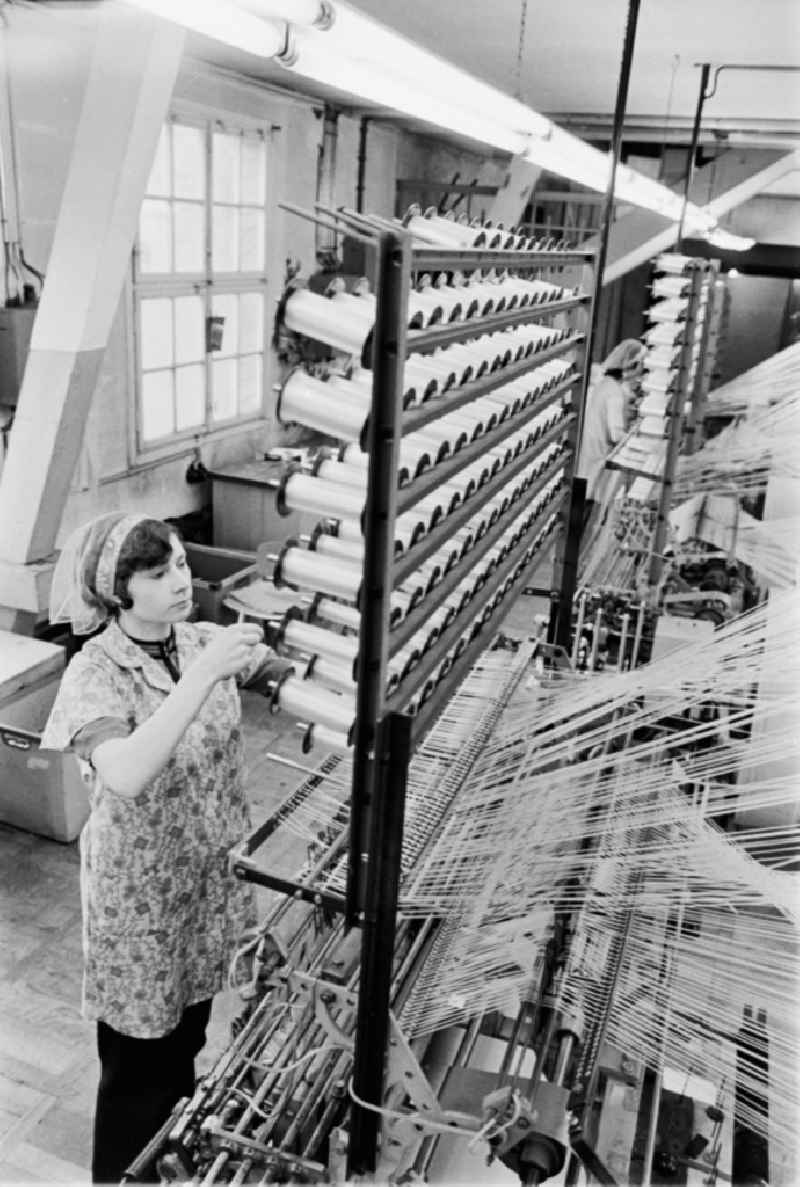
(625, 354)
(83, 579)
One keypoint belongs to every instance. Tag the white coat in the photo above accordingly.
(604, 426)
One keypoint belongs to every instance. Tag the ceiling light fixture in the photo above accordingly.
(727, 241)
(432, 98)
(356, 37)
(385, 68)
(334, 44)
(308, 54)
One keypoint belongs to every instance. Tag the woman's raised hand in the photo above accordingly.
(230, 650)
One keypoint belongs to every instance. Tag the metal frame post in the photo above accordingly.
(561, 583)
(378, 936)
(383, 442)
(558, 631)
(750, 1155)
(676, 422)
(690, 164)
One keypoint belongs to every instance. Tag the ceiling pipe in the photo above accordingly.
(777, 69)
(703, 94)
(363, 129)
(558, 629)
(690, 164)
(608, 207)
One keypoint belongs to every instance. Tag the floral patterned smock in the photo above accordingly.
(161, 913)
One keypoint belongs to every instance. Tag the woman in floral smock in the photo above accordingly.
(151, 707)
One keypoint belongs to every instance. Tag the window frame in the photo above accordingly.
(207, 284)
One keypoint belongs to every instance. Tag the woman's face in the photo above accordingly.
(162, 595)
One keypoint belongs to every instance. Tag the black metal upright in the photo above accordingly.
(690, 164)
(565, 582)
(377, 941)
(561, 606)
(392, 285)
(750, 1155)
(676, 424)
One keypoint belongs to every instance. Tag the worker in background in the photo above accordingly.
(610, 410)
(150, 706)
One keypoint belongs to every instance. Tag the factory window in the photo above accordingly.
(200, 283)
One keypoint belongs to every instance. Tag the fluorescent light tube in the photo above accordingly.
(727, 241)
(363, 58)
(311, 55)
(357, 37)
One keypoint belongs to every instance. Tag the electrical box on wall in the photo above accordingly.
(16, 325)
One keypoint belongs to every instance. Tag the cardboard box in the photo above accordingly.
(216, 572)
(30, 671)
(244, 506)
(40, 790)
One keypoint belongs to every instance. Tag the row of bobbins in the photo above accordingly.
(324, 693)
(437, 298)
(346, 322)
(664, 340)
(340, 495)
(340, 407)
(299, 631)
(325, 568)
(431, 228)
(325, 563)
(329, 566)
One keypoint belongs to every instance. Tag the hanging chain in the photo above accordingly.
(523, 16)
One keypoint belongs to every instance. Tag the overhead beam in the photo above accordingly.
(129, 84)
(735, 176)
(720, 132)
(780, 260)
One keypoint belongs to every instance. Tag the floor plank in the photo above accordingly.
(38, 1165)
(21, 1110)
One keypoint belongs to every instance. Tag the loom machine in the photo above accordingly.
(487, 892)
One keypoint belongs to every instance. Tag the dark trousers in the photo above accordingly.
(141, 1081)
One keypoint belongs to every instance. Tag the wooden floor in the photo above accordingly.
(48, 1065)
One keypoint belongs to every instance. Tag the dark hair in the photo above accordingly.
(148, 544)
